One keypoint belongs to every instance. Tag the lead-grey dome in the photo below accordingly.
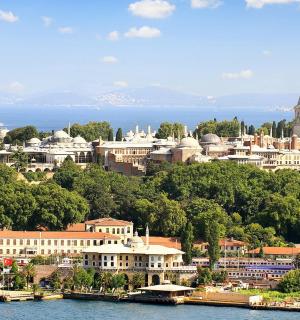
(210, 138)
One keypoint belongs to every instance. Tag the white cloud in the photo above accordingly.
(113, 36)
(152, 9)
(8, 16)
(244, 74)
(143, 32)
(258, 4)
(14, 87)
(121, 84)
(110, 59)
(47, 21)
(267, 53)
(65, 30)
(203, 4)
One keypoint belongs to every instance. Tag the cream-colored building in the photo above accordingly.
(120, 228)
(156, 262)
(32, 243)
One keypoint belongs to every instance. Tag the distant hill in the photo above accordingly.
(153, 96)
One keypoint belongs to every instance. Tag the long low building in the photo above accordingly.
(32, 243)
(155, 261)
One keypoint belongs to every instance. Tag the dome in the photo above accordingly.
(79, 140)
(34, 141)
(189, 142)
(60, 135)
(210, 138)
(136, 241)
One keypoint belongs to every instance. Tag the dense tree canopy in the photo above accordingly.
(91, 131)
(20, 135)
(168, 129)
(221, 128)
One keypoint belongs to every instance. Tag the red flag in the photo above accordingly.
(7, 262)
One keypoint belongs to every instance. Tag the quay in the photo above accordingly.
(8, 296)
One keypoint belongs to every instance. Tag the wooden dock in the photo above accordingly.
(8, 296)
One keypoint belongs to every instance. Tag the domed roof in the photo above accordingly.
(210, 138)
(60, 134)
(189, 142)
(34, 141)
(79, 140)
(136, 241)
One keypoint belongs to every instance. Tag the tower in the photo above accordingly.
(296, 125)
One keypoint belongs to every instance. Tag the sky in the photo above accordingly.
(205, 47)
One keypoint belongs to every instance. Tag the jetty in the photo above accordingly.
(8, 296)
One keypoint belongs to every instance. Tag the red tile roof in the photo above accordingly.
(277, 251)
(7, 234)
(164, 241)
(76, 227)
(109, 222)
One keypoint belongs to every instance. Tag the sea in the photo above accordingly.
(54, 118)
(100, 310)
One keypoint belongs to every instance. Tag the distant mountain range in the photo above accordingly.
(152, 96)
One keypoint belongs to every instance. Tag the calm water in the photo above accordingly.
(54, 118)
(79, 310)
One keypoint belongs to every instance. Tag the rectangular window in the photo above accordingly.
(14, 251)
(109, 241)
(8, 241)
(1, 241)
(62, 242)
(49, 251)
(35, 242)
(126, 257)
(15, 242)
(113, 230)
(42, 242)
(107, 230)
(42, 251)
(81, 243)
(112, 264)
(1, 251)
(28, 242)
(112, 258)
(86, 262)
(88, 243)
(75, 242)
(105, 264)
(95, 242)
(7, 251)
(55, 242)
(116, 242)
(128, 229)
(49, 242)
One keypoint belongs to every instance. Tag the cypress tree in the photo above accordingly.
(119, 135)
(110, 135)
(274, 128)
(187, 239)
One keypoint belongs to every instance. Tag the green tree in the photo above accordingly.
(55, 281)
(29, 272)
(20, 159)
(251, 130)
(118, 281)
(119, 135)
(56, 207)
(219, 276)
(67, 173)
(204, 276)
(290, 282)
(167, 129)
(110, 135)
(138, 280)
(212, 236)
(20, 135)
(91, 131)
(187, 240)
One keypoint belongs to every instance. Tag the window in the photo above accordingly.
(112, 258)
(1, 241)
(14, 251)
(121, 257)
(121, 264)
(109, 242)
(35, 242)
(86, 257)
(75, 242)
(15, 242)
(116, 242)
(123, 230)
(118, 230)
(105, 264)
(42, 242)
(69, 242)
(49, 242)
(94, 263)
(140, 258)
(105, 258)
(1, 251)
(95, 242)
(55, 242)
(7, 251)
(101, 242)
(126, 258)
(113, 230)
(112, 264)
(107, 230)
(49, 251)
(42, 251)
(8, 241)
(88, 243)
(126, 264)
(86, 262)
(62, 242)
(94, 257)
(128, 229)
(81, 243)
(21, 241)
(28, 241)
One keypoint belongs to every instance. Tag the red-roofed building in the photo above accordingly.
(276, 252)
(31, 243)
(122, 228)
(164, 241)
(231, 245)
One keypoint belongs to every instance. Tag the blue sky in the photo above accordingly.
(208, 47)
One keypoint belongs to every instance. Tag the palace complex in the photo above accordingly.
(131, 155)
